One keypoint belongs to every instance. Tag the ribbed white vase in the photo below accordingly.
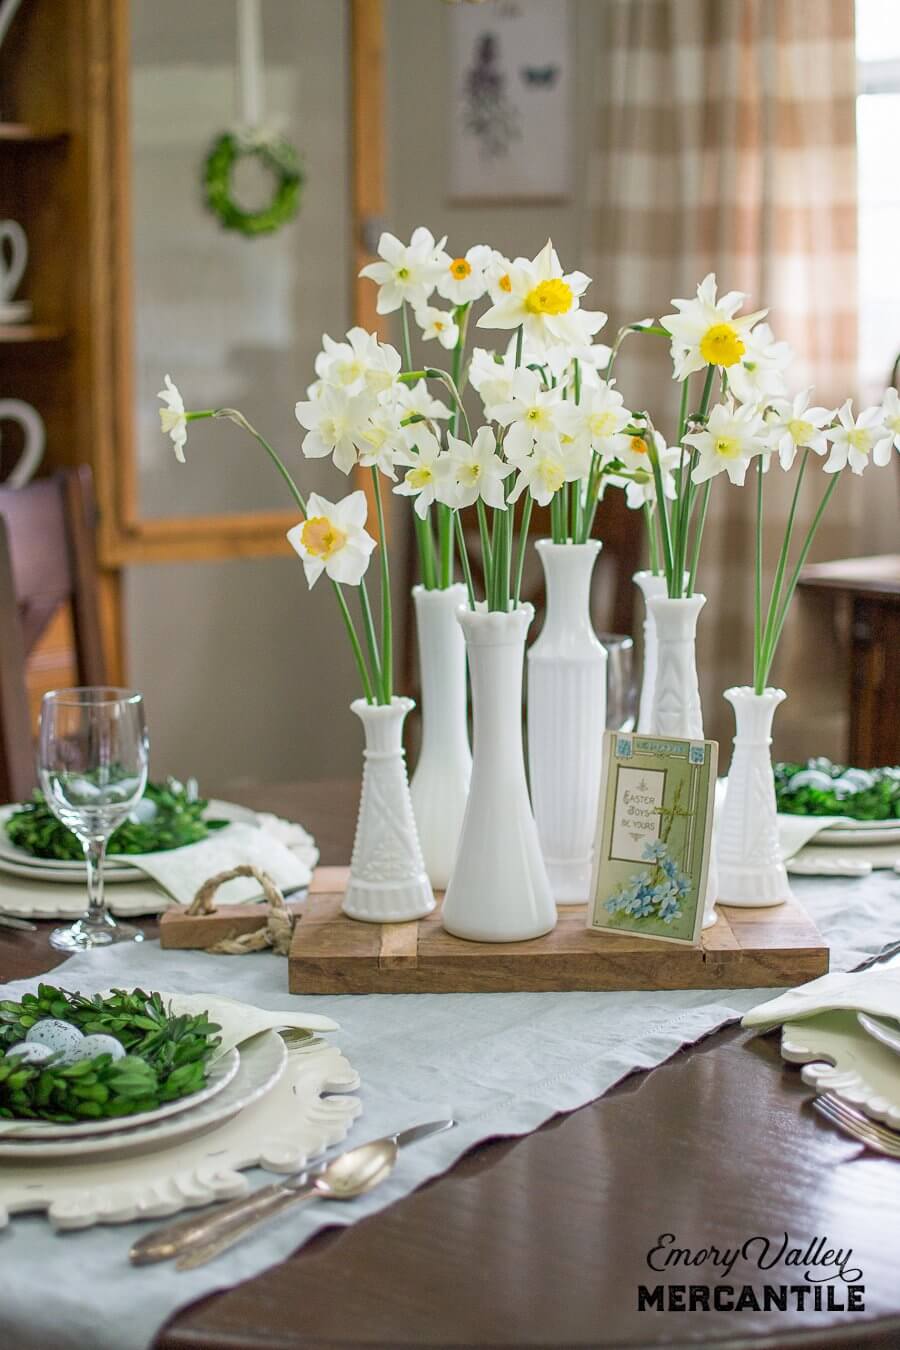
(750, 868)
(676, 710)
(388, 882)
(499, 890)
(440, 784)
(566, 720)
(649, 584)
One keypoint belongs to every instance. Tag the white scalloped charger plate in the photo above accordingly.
(839, 1056)
(262, 1063)
(220, 1075)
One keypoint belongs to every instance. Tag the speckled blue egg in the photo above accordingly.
(32, 1052)
(99, 1044)
(59, 1036)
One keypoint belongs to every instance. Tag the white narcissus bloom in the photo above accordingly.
(890, 410)
(491, 375)
(427, 470)
(732, 436)
(497, 276)
(335, 424)
(531, 414)
(793, 425)
(544, 472)
(465, 279)
(407, 272)
(641, 489)
(477, 470)
(759, 375)
(173, 418)
(382, 436)
(706, 331)
(543, 301)
(856, 442)
(437, 323)
(415, 400)
(598, 419)
(332, 539)
(360, 364)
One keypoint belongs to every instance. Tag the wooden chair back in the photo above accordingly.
(46, 561)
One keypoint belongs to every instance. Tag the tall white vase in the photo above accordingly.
(388, 882)
(499, 890)
(649, 584)
(676, 707)
(440, 784)
(750, 868)
(566, 720)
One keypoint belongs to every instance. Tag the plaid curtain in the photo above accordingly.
(725, 141)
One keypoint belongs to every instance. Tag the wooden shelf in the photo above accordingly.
(18, 133)
(31, 332)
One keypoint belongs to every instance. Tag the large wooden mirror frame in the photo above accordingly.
(123, 536)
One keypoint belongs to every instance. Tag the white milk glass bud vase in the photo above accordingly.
(751, 871)
(567, 719)
(440, 784)
(676, 707)
(499, 890)
(649, 584)
(388, 882)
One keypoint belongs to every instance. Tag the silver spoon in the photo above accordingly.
(347, 1176)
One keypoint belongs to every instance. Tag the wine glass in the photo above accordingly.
(621, 688)
(92, 764)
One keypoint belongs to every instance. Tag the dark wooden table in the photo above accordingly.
(544, 1241)
(870, 587)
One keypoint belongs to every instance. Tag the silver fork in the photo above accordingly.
(876, 1137)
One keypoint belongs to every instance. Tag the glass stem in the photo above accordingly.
(95, 856)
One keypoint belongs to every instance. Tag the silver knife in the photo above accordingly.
(235, 1216)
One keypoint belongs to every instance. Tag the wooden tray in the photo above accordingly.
(746, 949)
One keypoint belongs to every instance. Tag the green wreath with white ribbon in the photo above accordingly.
(276, 155)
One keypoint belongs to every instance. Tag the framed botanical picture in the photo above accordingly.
(512, 73)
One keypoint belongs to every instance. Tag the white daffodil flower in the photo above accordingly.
(543, 301)
(491, 375)
(437, 323)
(732, 436)
(407, 272)
(793, 425)
(359, 365)
(598, 419)
(890, 411)
(497, 276)
(477, 470)
(427, 470)
(759, 375)
(706, 331)
(332, 539)
(415, 400)
(640, 490)
(531, 414)
(173, 418)
(465, 279)
(544, 472)
(382, 436)
(335, 425)
(856, 442)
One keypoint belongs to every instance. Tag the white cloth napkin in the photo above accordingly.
(181, 871)
(875, 991)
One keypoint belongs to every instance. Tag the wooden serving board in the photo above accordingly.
(746, 949)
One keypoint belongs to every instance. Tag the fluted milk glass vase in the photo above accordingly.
(567, 719)
(751, 871)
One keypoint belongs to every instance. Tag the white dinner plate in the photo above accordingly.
(869, 832)
(17, 862)
(262, 1062)
(220, 1075)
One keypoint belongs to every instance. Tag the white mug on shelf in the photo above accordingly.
(26, 466)
(13, 261)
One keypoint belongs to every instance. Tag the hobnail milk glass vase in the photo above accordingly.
(649, 584)
(566, 720)
(499, 890)
(676, 707)
(388, 882)
(750, 868)
(440, 784)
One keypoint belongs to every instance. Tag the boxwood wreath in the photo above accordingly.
(279, 157)
(166, 1056)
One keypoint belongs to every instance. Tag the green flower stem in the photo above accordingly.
(404, 331)
(387, 626)
(768, 655)
(464, 556)
(520, 342)
(698, 536)
(240, 420)
(486, 552)
(686, 495)
(425, 543)
(523, 540)
(371, 639)
(432, 373)
(777, 583)
(663, 514)
(445, 544)
(652, 538)
(758, 569)
(577, 503)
